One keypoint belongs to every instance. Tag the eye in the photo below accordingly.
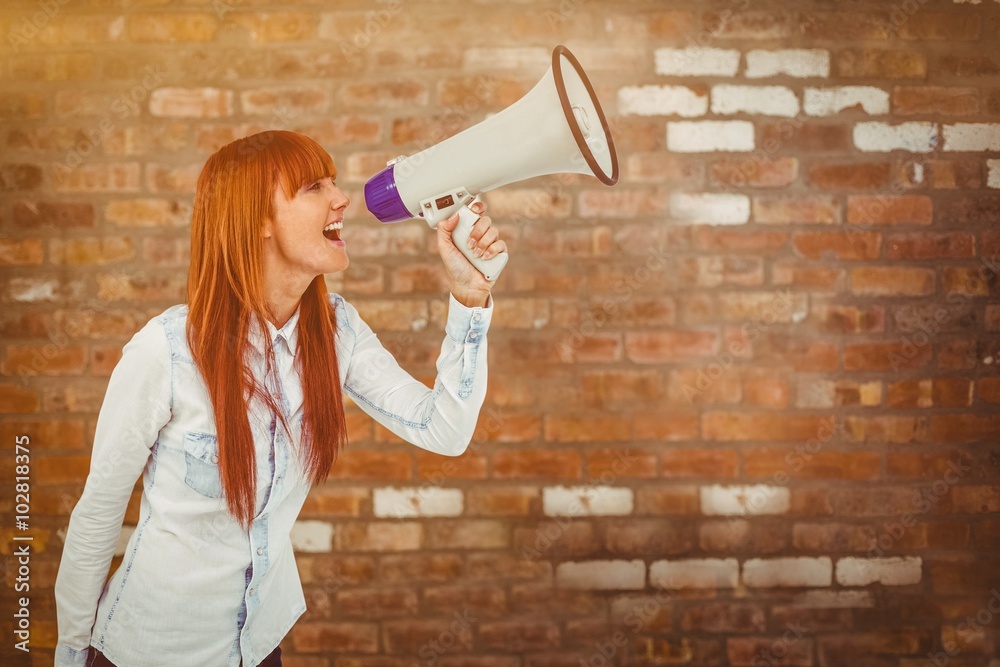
(315, 186)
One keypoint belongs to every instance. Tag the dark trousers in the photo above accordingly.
(97, 659)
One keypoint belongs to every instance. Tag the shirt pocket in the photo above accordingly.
(201, 461)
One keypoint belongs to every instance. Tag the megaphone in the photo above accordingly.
(557, 127)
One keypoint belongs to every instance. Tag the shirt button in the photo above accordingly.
(250, 592)
(474, 335)
(260, 551)
(215, 459)
(476, 317)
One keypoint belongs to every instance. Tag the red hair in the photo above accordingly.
(234, 197)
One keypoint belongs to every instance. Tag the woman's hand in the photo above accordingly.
(468, 285)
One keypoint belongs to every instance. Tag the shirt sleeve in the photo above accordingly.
(442, 419)
(135, 408)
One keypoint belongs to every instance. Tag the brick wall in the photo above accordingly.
(743, 406)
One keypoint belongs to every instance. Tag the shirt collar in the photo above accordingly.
(289, 333)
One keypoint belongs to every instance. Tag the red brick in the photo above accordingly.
(880, 64)
(724, 617)
(758, 172)
(670, 346)
(624, 388)
(646, 537)
(849, 319)
(782, 210)
(666, 500)
(316, 637)
(666, 426)
(34, 215)
(467, 534)
(733, 535)
(930, 245)
(808, 276)
(14, 177)
(967, 210)
(151, 27)
(500, 501)
(892, 281)
(50, 433)
(846, 26)
(988, 389)
(470, 465)
(765, 392)
(967, 280)
(14, 398)
(890, 210)
(953, 174)
(741, 241)
(941, 26)
(926, 465)
(964, 428)
(48, 359)
(20, 252)
(765, 462)
(620, 463)
(886, 356)
(355, 463)
(579, 428)
(701, 463)
(53, 470)
(325, 501)
(748, 24)
(811, 137)
(851, 245)
(748, 651)
(562, 464)
(860, 648)
(750, 426)
(662, 167)
(852, 176)
(907, 100)
(825, 537)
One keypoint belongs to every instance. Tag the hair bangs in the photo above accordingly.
(299, 160)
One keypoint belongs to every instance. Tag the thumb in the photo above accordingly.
(448, 224)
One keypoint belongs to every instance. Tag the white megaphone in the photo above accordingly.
(558, 127)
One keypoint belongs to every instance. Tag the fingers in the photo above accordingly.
(482, 236)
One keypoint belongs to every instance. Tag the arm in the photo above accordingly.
(441, 419)
(135, 408)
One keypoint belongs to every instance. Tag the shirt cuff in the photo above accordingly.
(468, 325)
(70, 657)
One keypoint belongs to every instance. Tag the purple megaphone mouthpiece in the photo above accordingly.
(382, 198)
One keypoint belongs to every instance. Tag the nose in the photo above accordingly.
(340, 200)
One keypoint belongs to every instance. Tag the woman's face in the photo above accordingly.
(295, 244)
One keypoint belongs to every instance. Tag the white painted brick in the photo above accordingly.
(697, 61)
(800, 63)
(706, 136)
(972, 137)
(417, 501)
(993, 167)
(587, 501)
(312, 536)
(914, 137)
(830, 101)
(795, 572)
(662, 101)
(506, 57)
(894, 571)
(764, 100)
(695, 573)
(604, 575)
(173, 102)
(720, 500)
(709, 208)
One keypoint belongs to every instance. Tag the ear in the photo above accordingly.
(268, 228)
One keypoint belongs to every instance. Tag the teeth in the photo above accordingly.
(334, 225)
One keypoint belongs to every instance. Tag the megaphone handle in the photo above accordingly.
(490, 268)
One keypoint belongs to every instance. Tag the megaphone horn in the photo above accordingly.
(557, 127)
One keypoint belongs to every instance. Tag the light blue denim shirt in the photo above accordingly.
(194, 587)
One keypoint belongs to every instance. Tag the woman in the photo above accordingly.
(230, 407)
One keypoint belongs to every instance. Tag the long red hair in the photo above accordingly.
(225, 293)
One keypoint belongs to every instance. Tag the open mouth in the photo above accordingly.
(332, 230)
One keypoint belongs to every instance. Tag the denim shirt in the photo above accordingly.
(194, 586)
